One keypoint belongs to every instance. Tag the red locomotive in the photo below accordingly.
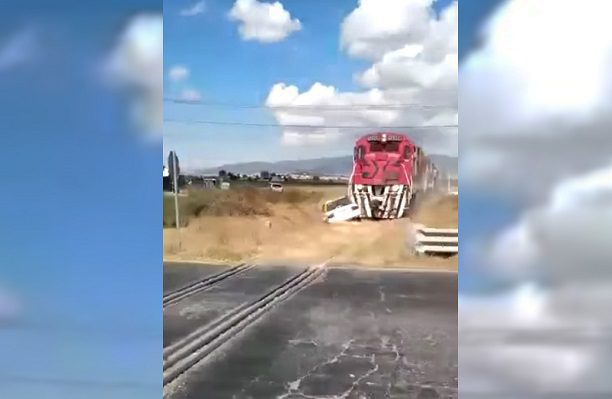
(388, 170)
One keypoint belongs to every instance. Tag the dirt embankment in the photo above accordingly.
(438, 211)
(262, 225)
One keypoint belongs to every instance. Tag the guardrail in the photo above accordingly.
(435, 241)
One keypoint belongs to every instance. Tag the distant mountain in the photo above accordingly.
(318, 166)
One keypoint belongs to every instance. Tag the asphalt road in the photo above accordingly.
(205, 306)
(180, 274)
(352, 334)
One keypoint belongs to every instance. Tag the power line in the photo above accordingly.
(328, 107)
(220, 123)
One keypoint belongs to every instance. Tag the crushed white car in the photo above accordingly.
(343, 214)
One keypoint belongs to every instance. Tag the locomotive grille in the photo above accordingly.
(391, 176)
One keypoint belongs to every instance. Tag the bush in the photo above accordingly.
(243, 201)
(169, 217)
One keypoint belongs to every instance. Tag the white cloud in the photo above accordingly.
(535, 340)
(407, 67)
(17, 49)
(325, 96)
(538, 96)
(263, 22)
(573, 228)
(513, 342)
(196, 9)
(377, 27)
(536, 117)
(178, 72)
(136, 64)
(190, 95)
(414, 54)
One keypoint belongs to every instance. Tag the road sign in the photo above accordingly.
(173, 165)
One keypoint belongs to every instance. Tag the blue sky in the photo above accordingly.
(471, 18)
(227, 69)
(481, 214)
(81, 240)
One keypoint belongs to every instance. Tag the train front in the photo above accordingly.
(381, 180)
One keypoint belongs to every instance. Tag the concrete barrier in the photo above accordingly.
(435, 241)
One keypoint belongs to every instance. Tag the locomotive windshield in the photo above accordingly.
(388, 146)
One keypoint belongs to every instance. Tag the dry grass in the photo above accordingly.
(438, 211)
(238, 202)
(289, 227)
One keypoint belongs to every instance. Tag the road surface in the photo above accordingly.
(352, 333)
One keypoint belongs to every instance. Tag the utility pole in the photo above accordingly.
(174, 170)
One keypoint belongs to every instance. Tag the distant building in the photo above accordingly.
(167, 182)
(203, 182)
(300, 176)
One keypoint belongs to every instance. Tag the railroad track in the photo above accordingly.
(201, 285)
(184, 354)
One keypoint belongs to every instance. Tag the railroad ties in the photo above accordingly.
(202, 285)
(201, 343)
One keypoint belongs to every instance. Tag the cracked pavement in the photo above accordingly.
(354, 334)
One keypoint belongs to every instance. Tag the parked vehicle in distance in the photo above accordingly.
(276, 187)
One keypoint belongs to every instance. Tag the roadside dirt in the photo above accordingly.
(296, 233)
(439, 211)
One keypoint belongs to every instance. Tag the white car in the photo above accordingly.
(276, 187)
(343, 214)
